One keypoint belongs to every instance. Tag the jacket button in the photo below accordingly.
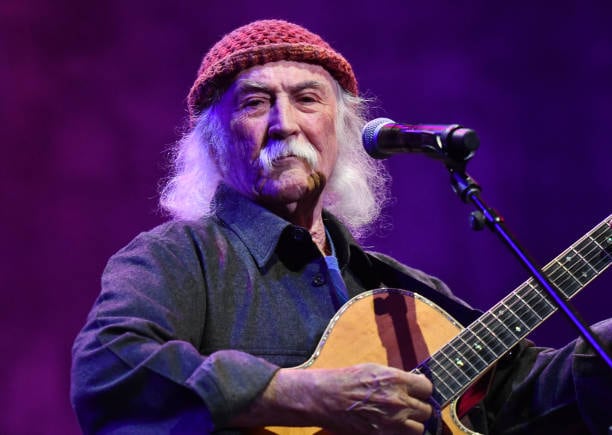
(299, 234)
(318, 280)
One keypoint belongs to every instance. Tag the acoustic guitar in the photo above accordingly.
(402, 329)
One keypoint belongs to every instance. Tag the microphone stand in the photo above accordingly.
(469, 191)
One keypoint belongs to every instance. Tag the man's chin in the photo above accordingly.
(284, 194)
(295, 189)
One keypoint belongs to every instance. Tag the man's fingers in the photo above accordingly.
(418, 410)
(419, 386)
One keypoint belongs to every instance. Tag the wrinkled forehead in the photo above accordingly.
(285, 76)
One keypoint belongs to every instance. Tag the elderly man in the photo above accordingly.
(201, 321)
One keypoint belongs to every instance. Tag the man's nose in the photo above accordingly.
(283, 122)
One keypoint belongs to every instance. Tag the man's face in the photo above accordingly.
(280, 122)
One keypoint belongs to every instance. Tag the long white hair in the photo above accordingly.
(355, 193)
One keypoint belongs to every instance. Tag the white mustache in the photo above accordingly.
(277, 149)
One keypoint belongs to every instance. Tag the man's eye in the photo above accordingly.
(254, 102)
(307, 99)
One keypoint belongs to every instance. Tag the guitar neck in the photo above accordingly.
(459, 363)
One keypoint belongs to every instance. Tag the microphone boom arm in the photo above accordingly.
(469, 191)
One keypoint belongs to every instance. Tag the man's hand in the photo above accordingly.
(363, 399)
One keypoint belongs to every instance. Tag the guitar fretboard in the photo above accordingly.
(457, 364)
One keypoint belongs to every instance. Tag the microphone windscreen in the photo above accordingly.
(369, 134)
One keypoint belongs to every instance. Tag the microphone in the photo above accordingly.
(453, 143)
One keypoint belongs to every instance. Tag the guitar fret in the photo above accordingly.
(442, 391)
(453, 371)
(568, 283)
(468, 351)
(580, 269)
(451, 381)
(464, 359)
(460, 363)
(478, 346)
(569, 273)
(460, 369)
(544, 306)
(588, 246)
(495, 343)
(557, 275)
(536, 318)
(598, 253)
(584, 269)
(597, 243)
(505, 334)
(521, 310)
(440, 378)
(604, 249)
(604, 256)
(512, 321)
(581, 263)
(596, 246)
(584, 260)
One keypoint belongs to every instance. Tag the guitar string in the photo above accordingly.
(459, 345)
(511, 301)
(522, 312)
(596, 241)
(463, 345)
(582, 255)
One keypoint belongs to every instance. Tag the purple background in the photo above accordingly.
(92, 96)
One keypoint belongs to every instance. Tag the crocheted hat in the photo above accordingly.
(258, 43)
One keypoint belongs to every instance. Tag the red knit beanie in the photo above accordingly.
(258, 43)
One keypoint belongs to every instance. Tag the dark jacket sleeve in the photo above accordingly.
(136, 365)
(543, 390)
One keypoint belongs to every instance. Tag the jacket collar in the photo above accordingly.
(261, 230)
(257, 227)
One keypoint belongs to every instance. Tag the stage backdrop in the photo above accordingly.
(93, 95)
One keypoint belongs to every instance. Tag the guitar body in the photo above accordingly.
(401, 329)
(392, 327)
